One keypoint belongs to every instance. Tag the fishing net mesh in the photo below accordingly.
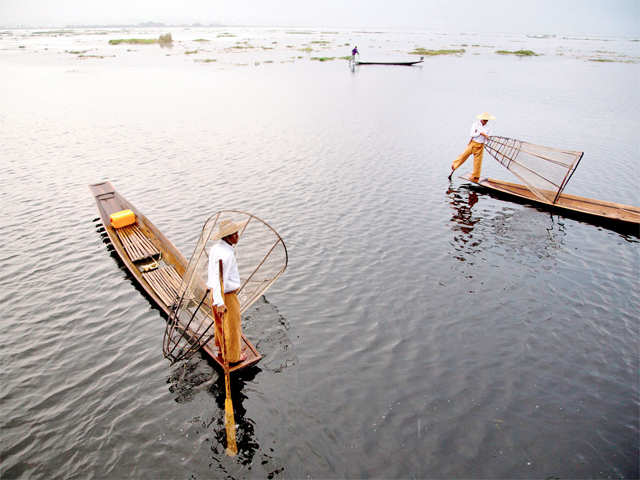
(262, 257)
(544, 170)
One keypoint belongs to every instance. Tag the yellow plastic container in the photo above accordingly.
(122, 218)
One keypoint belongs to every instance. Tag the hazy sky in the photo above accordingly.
(611, 17)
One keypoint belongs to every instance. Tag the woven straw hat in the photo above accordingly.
(228, 227)
(485, 116)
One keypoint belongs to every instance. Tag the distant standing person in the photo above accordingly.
(479, 135)
(354, 52)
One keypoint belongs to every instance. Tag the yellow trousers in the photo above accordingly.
(476, 149)
(232, 328)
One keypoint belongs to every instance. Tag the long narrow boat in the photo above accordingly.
(616, 212)
(153, 261)
(390, 63)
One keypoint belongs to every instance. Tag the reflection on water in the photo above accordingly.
(463, 221)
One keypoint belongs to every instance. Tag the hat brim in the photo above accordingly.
(236, 227)
(485, 116)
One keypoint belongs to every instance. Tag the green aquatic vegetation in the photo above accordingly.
(299, 32)
(225, 35)
(346, 57)
(320, 42)
(201, 40)
(323, 59)
(76, 52)
(306, 49)
(190, 52)
(205, 60)
(163, 40)
(602, 60)
(427, 52)
(520, 53)
(52, 32)
(93, 56)
(133, 41)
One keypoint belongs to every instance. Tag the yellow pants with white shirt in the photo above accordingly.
(476, 149)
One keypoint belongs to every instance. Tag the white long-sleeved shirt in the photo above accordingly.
(230, 275)
(476, 129)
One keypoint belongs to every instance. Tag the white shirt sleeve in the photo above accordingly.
(213, 280)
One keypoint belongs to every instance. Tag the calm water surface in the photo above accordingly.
(423, 329)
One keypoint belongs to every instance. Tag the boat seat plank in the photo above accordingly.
(136, 244)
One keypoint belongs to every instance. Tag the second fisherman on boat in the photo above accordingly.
(479, 135)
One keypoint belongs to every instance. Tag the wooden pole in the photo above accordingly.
(229, 421)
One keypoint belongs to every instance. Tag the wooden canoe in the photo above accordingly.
(389, 63)
(153, 261)
(615, 212)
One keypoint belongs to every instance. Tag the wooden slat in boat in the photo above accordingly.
(161, 284)
(137, 245)
(617, 212)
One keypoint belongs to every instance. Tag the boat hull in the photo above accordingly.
(599, 209)
(159, 291)
(390, 63)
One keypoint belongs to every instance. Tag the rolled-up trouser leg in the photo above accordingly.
(478, 148)
(463, 156)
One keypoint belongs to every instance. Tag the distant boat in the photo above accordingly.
(414, 62)
(546, 172)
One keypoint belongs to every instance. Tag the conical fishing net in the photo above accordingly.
(544, 170)
(262, 257)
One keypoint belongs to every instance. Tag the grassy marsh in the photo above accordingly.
(323, 59)
(519, 53)
(165, 39)
(427, 52)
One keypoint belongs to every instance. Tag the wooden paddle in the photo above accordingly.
(229, 421)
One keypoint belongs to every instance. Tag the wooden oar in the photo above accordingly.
(230, 424)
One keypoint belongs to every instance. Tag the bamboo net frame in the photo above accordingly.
(262, 257)
(544, 170)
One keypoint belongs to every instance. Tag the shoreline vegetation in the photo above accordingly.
(163, 40)
(520, 53)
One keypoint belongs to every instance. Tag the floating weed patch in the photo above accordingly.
(133, 41)
(427, 52)
(163, 40)
(519, 53)
(76, 52)
(320, 42)
(94, 56)
(346, 57)
(306, 49)
(201, 40)
(602, 60)
(190, 52)
(299, 32)
(323, 59)
(225, 35)
(205, 60)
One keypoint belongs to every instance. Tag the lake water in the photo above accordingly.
(423, 329)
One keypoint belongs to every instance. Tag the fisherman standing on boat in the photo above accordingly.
(354, 52)
(228, 235)
(479, 135)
